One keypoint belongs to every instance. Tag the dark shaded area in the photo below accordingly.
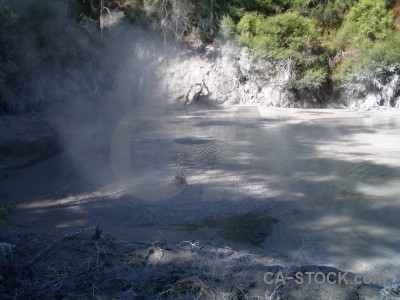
(24, 153)
(250, 228)
(191, 141)
(82, 268)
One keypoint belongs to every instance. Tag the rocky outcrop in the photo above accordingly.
(372, 90)
(233, 78)
(227, 77)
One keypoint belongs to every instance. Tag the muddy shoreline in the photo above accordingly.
(89, 264)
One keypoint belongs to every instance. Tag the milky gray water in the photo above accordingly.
(339, 180)
(327, 186)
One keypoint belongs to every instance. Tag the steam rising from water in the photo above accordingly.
(345, 183)
(164, 152)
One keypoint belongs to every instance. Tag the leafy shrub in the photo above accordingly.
(330, 15)
(227, 27)
(280, 36)
(269, 7)
(238, 8)
(380, 57)
(248, 27)
(384, 52)
(303, 6)
(366, 21)
(312, 79)
(291, 37)
(289, 31)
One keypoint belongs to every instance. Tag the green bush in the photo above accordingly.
(227, 27)
(290, 31)
(270, 7)
(367, 21)
(375, 60)
(330, 14)
(312, 79)
(384, 52)
(280, 36)
(303, 7)
(287, 36)
(248, 27)
(237, 8)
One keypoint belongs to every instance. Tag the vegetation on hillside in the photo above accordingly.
(326, 42)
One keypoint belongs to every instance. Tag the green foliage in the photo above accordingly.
(330, 14)
(367, 21)
(280, 36)
(303, 6)
(287, 36)
(227, 27)
(367, 35)
(312, 78)
(266, 6)
(270, 7)
(306, 33)
(289, 31)
(383, 54)
(248, 27)
(238, 8)
(377, 58)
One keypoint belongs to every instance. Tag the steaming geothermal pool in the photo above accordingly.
(310, 180)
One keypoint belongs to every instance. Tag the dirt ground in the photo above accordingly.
(89, 264)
